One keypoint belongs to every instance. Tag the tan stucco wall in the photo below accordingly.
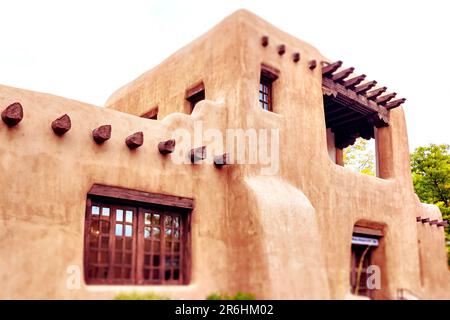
(281, 236)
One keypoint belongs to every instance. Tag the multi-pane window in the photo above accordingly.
(265, 89)
(135, 244)
(265, 94)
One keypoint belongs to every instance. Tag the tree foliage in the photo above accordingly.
(430, 166)
(360, 156)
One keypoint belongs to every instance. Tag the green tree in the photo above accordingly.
(360, 156)
(430, 166)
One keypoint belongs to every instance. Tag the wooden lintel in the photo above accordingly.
(102, 133)
(341, 75)
(372, 95)
(135, 140)
(61, 125)
(330, 68)
(353, 82)
(339, 121)
(166, 147)
(386, 98)
(365, 87)
(141, 196)
(13, 114)
(394, 104)
(197, 154)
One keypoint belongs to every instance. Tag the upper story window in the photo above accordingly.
(132, 237)
(195, 95)
(267, 77)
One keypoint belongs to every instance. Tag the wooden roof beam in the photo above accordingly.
(341, 75)
(332, 67)
(353, 82)
(394, 104)
(365, 87)
(372, 95)
(385, 99)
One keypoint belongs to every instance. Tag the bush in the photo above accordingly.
(225, 296)
(140, 296)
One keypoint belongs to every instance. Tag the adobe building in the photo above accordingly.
(93, 202)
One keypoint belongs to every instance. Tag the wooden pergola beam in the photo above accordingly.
(365, 87)
(353, 82)
(394, 104)
(341, 75)
(330, 68)
(386, 98)
(372, 95)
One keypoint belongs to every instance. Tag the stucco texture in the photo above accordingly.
(286, 235)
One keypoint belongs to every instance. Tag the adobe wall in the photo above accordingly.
(286, 235)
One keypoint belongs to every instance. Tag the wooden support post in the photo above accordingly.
(61, 125)
(101, 134)
(135, 140)
(221, 160)
(166, 147)
(197, 154)
(13, 114)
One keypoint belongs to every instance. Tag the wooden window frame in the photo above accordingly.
(152, 114)
(195, 95)
(139, 202)
(267, 78)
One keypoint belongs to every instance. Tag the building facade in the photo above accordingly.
(220, 170)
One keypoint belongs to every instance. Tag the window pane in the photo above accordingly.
(167, 221)
(176, 247)
(156, 261)
(156, 218)
(129, 216)
(119, 230)
(147, 232)
(128, 231)
(105, 212)
(176, 222)
(95, 210)
(119, 215)
(157, 233)
(147, 218)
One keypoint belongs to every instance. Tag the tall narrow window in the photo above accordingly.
(136, 243)
(195, 94)
(268, 76)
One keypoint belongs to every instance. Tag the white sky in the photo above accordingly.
(85, 50)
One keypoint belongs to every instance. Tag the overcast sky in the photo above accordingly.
(85, 50)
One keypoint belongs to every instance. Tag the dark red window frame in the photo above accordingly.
(131, 242)
(195, 95)
(267, 77)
